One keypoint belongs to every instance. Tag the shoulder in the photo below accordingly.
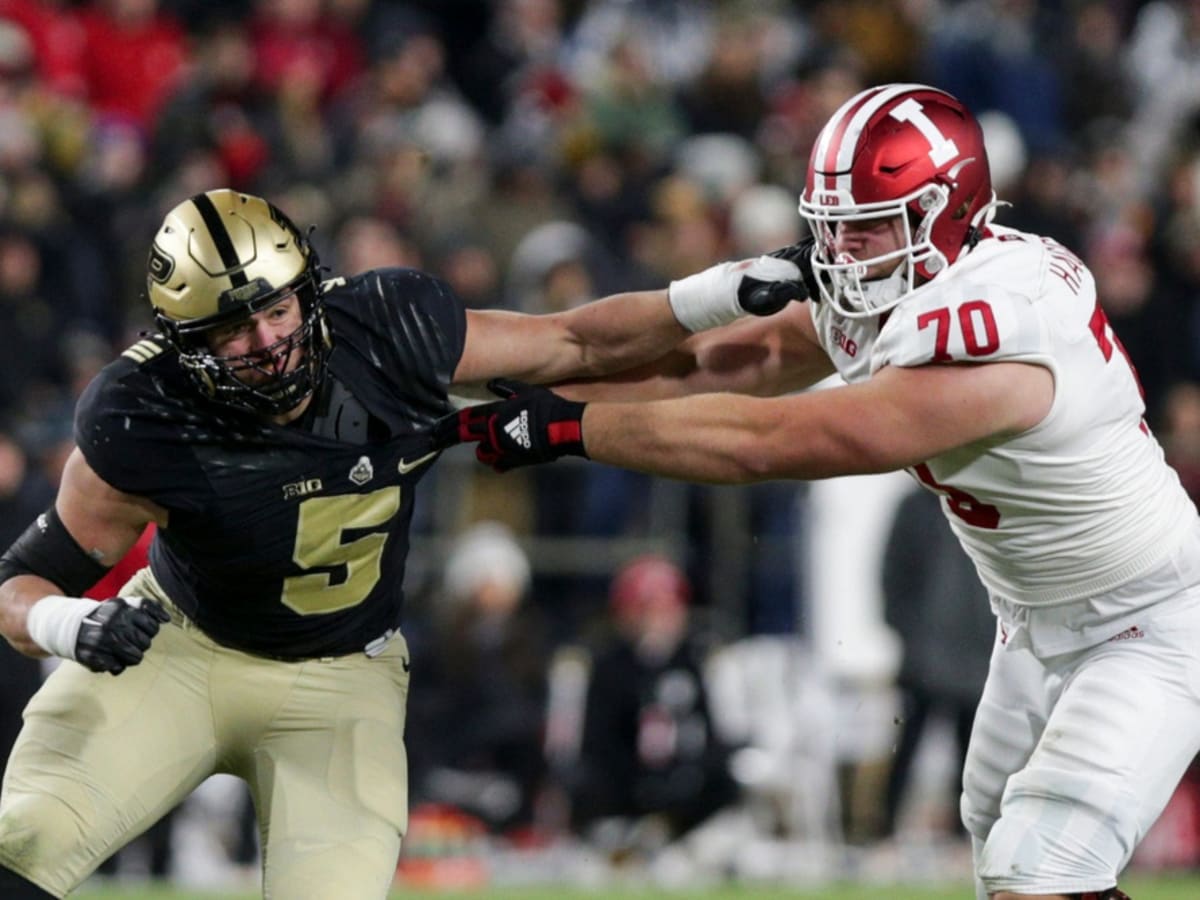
(408, 300)
(404, 320)
(387, 288)
(132, 417)
(985, 309)
(125, 383)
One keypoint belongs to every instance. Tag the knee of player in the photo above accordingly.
(39, 827)
(979, 804)
(1057, 827)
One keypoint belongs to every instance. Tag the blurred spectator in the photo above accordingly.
(218, 107)
(134, 54)
(365, 242)
(28, 321)
(651, 765)
(1000, 56)
(1090, 55)
(294, 41)
(56, 41)
(1180, 433)
(939, 609)
(1162, 59)
(24, 494)
(475, 728)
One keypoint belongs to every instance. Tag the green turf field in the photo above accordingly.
(1174, 887)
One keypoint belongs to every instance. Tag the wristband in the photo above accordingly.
(53, 623)
(707, 299)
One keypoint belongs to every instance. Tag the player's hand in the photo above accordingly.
(117, 633)
(527, 426)
(800, 254)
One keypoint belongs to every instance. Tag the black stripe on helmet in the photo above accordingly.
(220, 235)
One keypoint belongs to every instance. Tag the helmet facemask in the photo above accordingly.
(219, 259)
(844, 281)
(280, 390)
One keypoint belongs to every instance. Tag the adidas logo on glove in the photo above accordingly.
(518, 429)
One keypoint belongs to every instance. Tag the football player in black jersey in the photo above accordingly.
(274, 430)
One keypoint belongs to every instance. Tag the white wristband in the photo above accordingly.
(707, 299)
(53, 623)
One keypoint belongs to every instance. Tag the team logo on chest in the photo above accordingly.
(362, 472)
(301, 488)
(848, 344)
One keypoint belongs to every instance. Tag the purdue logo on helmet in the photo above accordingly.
(897, 150)
(220, 257)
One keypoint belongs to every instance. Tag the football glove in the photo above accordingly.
(105, 637)
(527, 426)
(118, 633)
(801, 254)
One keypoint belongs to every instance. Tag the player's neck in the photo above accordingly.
(294, 413)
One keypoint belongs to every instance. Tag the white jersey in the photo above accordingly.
(1079, 505)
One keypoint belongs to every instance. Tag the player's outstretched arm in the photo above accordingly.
(624, 331)
(901, 417)
(61, 555)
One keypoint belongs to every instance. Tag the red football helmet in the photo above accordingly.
(904, 150)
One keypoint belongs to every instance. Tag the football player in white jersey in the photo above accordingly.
(977, 358)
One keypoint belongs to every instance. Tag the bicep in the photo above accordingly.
(904, 416)
(105, 522)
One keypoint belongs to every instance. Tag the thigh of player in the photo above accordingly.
(1123, 729)
(101, 758)
(329, 779)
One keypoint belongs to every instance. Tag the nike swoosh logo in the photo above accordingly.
(405, 466)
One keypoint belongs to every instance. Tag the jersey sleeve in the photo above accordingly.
(410, 327)
(968, 324)
(135, 439)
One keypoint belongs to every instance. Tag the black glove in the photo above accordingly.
(117, 634)
(530, 425)
(765, 298)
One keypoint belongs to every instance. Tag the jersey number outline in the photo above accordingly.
(970, 509)
(1107, 341)
(321, 524)
(968, 314)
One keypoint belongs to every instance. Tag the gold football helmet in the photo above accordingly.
(222, 256)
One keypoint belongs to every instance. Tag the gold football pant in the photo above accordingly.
(101, 758)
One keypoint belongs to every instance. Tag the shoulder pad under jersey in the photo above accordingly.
(969, 314)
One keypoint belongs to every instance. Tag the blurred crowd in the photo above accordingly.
(536, 154)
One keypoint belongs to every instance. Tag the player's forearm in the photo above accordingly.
(726, 439)
(696, 439)
(17, 597)
(619, 332)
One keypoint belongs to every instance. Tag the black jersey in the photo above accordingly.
(287, 541)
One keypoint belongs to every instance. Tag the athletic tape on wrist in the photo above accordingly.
(707, 299)
(53, 623)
